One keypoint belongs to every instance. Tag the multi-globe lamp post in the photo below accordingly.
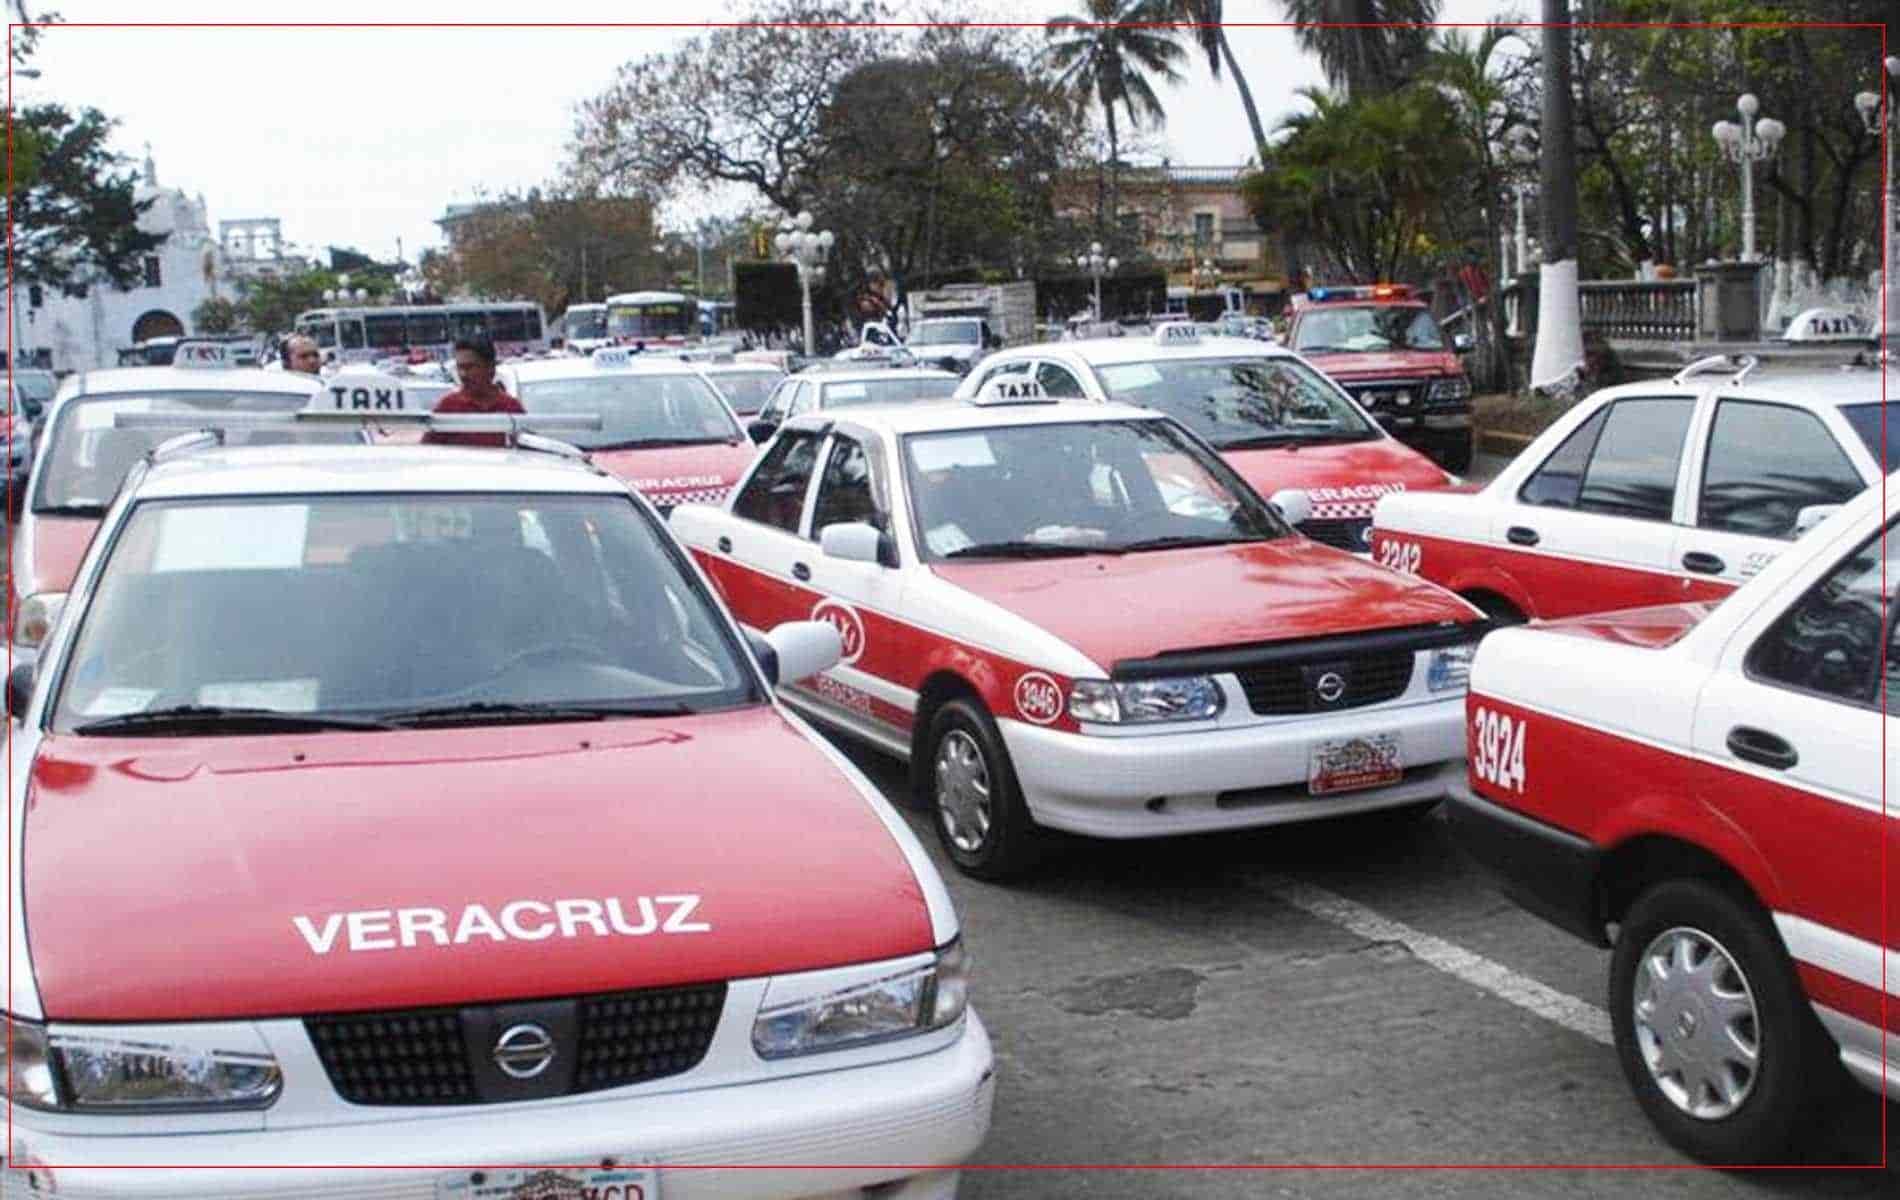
(1094, 264)
(1872, 118)
(341, 293)
(1746, 144)
(1205, 276)
(807, 251)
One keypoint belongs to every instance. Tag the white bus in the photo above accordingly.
(652, 318)
(583, 327)
(367, 335)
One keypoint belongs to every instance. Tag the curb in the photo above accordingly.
(1496, 441)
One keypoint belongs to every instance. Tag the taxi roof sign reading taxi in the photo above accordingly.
(367, 392)
(197, 354)
(1012, 389)
(1177, 333)
(612, 357)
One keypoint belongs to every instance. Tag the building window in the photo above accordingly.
(1204, 229)
(151, 271)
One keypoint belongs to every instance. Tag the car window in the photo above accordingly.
(1058, 381)
(1557, 482)
(1633, 471)
(1334, 330)
(902, 389)
(848, 491)
(780, 400)
(1828, 642)
(1237, 403)
(1766, 463)
(805, 399)
(775, 495)
(635, 409)
(1017, 367)
(746, 391)
(1873, 424)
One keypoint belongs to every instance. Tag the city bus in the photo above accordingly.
(352, 335)
(655, 318)
(583, 327)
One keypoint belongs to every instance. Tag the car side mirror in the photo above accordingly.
(854, 542)
(1293, 504)
(19, 690)
(803, 649)
(761, 431)
(1812, 515)
(1461, 343)
(764, 651)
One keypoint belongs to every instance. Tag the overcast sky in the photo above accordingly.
(360, 136)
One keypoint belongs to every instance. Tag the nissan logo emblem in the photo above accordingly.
(524, 1051)
(1365, 535)
(1329, 687)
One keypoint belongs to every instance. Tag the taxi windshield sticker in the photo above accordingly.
(284, 695)
(941, 453)
(1127, 377)
(231, 537)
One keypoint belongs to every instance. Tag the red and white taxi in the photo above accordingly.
(1276, 420)
(1649, 493)
(1381, 344)
(664, 428)
(81, 457)
(1079, 617)
(1701, 785)
(414, 821)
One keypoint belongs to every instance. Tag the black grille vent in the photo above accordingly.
(1346, 534)
(1283, 689)
(423, 1056)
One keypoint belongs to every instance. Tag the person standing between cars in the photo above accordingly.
(475, 369)
(300, 354)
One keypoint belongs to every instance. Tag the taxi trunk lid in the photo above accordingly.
(218, 878)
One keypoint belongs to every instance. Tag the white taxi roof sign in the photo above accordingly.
(1012, 389)
(1177, 333)
(367, 392)
(611, 357)
(199, 354)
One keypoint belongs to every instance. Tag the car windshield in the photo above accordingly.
(406, 609)
(86, 456)
(746, 390)
(36, 385)
(858, 393)
(1358, 330)
(636, 409)
(1238, 402)
(587, 323)
(1075, 488)
(946, 333)
(1872, 427)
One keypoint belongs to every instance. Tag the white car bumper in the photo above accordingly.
(922, 1116)
(1233, 778)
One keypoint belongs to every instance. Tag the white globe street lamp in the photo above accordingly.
(1872, 119)
(1746, 144)
(807, 251)
(1094, 264)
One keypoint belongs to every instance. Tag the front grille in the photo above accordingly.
(1341, 534)
(1284, 689)
(425, 1056)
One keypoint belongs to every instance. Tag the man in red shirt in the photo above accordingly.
(475, 367)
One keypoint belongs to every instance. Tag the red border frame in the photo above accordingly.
(1885, 215)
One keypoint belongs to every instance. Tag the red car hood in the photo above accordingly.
(1650, 628)
(215, 878)
(59, 543)
(680, 474)
(1400, 364)
(1342, 480)
(1205, 597)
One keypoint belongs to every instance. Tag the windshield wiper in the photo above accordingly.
(1177, 541)
(192, 718)
(502, 711)
(78, 508)
(1021, 550)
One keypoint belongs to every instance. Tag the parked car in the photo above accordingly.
(745, 385)
(849, 385)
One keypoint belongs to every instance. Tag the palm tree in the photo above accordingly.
(1107, 56)
(1558, 356)
(1358, 58)
(1205, 17)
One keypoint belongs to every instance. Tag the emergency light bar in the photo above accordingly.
(1376, 291)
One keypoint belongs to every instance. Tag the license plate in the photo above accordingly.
(1351, 764)
(551, 1183)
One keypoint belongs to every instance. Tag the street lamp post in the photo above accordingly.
(1746, 144)
(806, 251)
(1871, 117)
(1094, 264)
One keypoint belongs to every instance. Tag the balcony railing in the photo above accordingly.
(1640, 310)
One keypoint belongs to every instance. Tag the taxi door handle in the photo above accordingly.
(1521, 535)
(801, 572)
(1703, 563)
(725, 545)
(1760, 746)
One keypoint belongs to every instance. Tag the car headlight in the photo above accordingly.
(70, 1072)
(1452, 387)
(1182, 698)
(38, 614)
(915, 1000)
(1451, 667)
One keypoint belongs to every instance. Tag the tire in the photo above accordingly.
(965, 760)
(1456, 456)
(1500, 611)
(1705, 1096)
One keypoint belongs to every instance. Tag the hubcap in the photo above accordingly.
(963, 791)
(1696, 1023)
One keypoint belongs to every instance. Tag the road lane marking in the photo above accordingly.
(1573, 1014)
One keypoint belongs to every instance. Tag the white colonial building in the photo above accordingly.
(86, 331)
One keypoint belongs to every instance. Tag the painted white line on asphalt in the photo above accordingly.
(1496, 978)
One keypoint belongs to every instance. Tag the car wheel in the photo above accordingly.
(973, 796)
(1500, 611)
(1457, 457)
(1712, 1029)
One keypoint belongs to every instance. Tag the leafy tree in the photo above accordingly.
(270, 304)
(215, 315)
(1389, 42)
(555, 247)
(1106, 56)
(77, 220)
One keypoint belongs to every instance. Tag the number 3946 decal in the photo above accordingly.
(1497, 749)
(1400, 556)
